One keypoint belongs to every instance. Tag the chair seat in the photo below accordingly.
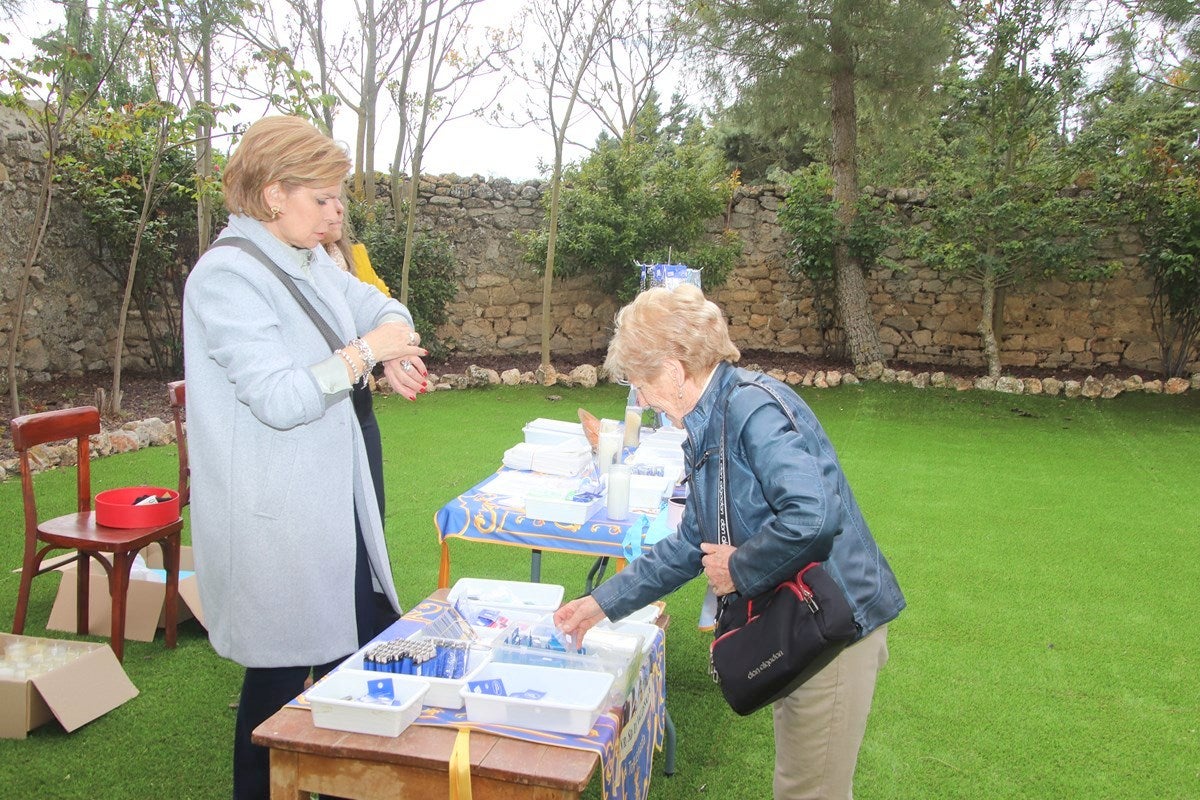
(79, 531)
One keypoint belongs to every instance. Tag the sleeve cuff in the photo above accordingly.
(395, 316)
(331, 374)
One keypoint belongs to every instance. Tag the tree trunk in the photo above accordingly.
(204, 160)
(551, 241)
(114, 400)
(41, 220)
(854, 309)
(987, 333)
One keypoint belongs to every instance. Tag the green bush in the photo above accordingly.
(432, 275)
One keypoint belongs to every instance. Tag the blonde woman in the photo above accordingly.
(287, 494)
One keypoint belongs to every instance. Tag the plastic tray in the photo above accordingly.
(515, 595)
(334, 705)
(573, 698)
(443, 692)
(115, 508)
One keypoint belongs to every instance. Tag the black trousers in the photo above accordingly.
(265, 690)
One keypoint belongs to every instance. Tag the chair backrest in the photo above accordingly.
(175, 391)
(31, 430)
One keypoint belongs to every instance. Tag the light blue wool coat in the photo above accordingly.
(278, 466)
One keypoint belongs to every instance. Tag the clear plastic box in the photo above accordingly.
(336, 702)
(571, 702)
(619, 653)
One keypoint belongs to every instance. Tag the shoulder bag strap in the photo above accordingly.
(722, 492)
(250, 247)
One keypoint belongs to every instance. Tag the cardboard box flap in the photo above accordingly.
(91, 685)
(144, 610)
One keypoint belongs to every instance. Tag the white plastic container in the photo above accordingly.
(443, 692)
(572, 511)
(517, 595)
(335, 702)
(572, 701)
(647, 492)
(552, 431)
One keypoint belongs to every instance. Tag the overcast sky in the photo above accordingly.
(464, 146)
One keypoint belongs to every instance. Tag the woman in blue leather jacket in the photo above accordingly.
(790, 504)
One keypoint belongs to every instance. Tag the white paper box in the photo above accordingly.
(334, 705)
(573, 698)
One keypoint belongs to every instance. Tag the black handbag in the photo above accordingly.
(764, 647)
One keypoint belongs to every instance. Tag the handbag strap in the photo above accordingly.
(722, 477)
(247, 246)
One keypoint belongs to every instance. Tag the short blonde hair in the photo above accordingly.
(287, 150)
(668, 323)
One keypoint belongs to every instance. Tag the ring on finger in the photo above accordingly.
(412, 339)
(406, 365)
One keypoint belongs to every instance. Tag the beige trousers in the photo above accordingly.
(820, 726)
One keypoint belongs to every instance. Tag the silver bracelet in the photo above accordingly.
(368, 357)
(354, 370)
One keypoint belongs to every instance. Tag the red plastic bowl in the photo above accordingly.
(115, 508)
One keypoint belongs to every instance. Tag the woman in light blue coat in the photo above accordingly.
(287, 512)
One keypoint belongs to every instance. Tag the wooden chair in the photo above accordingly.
(175, 392)
(113, 548)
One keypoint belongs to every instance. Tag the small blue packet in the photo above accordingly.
(381, 689)
(529, 694)
(490, 686)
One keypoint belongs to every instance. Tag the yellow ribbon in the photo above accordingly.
(460, 766)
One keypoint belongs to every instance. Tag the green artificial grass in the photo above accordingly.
(1047, 548)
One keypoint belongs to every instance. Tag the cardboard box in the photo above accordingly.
(145, 610)
(88, 685)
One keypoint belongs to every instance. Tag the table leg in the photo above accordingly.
(669, 746)
(285, 776)
(444, 568)
(596, 574)
(535, 566)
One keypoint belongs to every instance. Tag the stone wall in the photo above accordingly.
(499, 305)
(71, 305)
(923, 317)
(71, 319)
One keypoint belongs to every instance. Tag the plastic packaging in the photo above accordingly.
(618, 491)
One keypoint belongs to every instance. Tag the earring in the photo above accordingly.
(275, 212)
(679, 396)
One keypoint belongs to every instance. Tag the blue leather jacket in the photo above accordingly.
(789, 504)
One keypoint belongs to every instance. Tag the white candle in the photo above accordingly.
(633, 425)
(610, 447)
(618, 491)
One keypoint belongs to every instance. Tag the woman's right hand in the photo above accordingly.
(577, 617)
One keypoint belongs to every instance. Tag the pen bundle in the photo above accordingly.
(426, 658)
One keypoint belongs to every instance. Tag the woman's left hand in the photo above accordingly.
(716, 567)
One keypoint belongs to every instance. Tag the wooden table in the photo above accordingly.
(305, 758)
(415, 764)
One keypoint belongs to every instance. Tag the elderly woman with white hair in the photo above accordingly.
(790, 505)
